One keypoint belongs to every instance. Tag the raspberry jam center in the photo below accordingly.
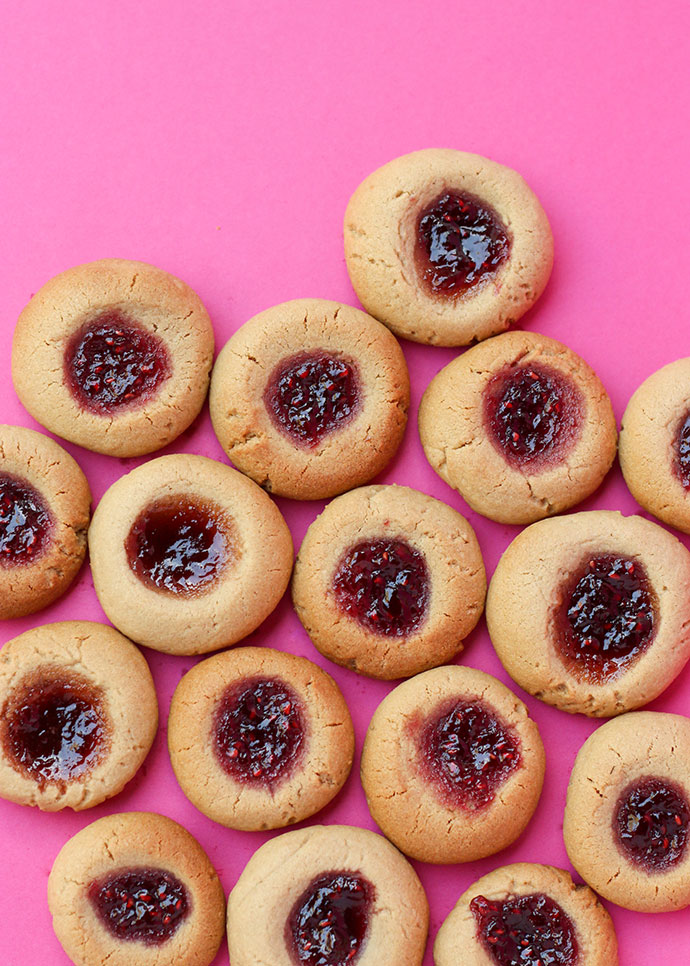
(141, 905)
(607, 617)
(179, 545)
(682, 455)
(26, 523)
(467, 752)
(258, 731)
(311, 395)
(384, 585)
(529, 930)
(460, 242)
(328, 924)
(651, 822)
(112, 363)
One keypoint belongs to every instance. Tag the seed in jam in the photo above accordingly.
(533, 414)
(112, 363)
(141, 905)
(682, 447)
(530, 930)
(607, 617)
(461, 241)
(258, 731)
(651, 821)
(328, 924)
(311, 395)
(467, 751)
(179, 545)
(384, 585)
(26, 523)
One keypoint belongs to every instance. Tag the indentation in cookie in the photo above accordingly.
(26, 523)
(682, 451)
(328, 924)
(527, 930)
(651, 823)
(141, 904)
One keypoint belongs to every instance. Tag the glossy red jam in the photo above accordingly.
(529, 930)
(651, 823)
(26, 523)
(113, 363)
(179, 545)
(682, 452)
(461, 241)
(311, 395)
(384, 585)
(328, 924)
(258, 731)
(141, 905)
(607, 617)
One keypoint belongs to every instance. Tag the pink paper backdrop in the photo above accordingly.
(221, 141)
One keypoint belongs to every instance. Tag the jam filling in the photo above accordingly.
(258, 731)
(384, 585)
(682, 455)
(311, 395)
(26, 523)
(328, 924)
(141, 905)
(607, 617)
(467, 751)
(461, 241)
(533, 414)
(651, 822)
(179, 545)
(529, 930)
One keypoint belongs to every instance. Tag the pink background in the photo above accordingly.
(221, 141)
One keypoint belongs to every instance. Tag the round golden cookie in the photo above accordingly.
(446, 247)
(590, 612)
(136, 889)
(45, 504)
(310, 398)
(452, 766)
(342, 892)
(113, 355)
(520, 426)
(527, 913)
(389, 581)
(188, 555)
(627, 814)
(78, 715)
(259, 738)
(655, 444)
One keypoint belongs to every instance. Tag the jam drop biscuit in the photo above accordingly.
(446, 247)
(44, 514)
(136, 889)
(590, 612)
(452, 766)
(259, 739)
(520, 426)
(389, 581)
(327, 896)
(628, 811)
(78, 714)
(114, 355)
(310, 398)
(188, 555)
(527, 914)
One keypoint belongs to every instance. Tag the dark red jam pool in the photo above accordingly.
(651, 823)
(311, 395)
(529, 930)
(328, 924)
(26, 523)
(258, 731)
(461, 241)
(179, 545)
(607, 617)
(682, 446)
(384, 585)
(141, 905)
(112, 363)
(532, 414)
(467, 751)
